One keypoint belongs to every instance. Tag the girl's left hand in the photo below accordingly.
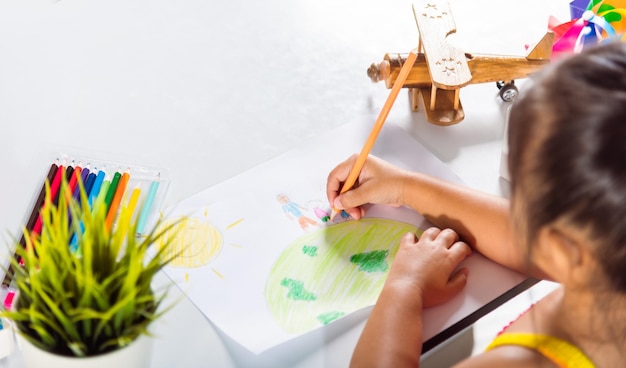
(426, 268)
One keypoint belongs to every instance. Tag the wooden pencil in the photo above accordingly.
(371, 139)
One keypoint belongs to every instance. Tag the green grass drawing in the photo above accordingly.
(332, 272)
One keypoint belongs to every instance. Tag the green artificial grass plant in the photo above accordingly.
(95, 297)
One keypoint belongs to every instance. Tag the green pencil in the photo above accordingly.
(111, 191)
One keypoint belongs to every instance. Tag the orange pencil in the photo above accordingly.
(371, 139)
(117, 198)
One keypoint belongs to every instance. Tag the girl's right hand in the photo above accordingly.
(379, 182)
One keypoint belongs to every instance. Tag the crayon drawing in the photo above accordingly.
(295, 212)
(320, 212)
(195, 244)
(276, 275)
(195, 241)
(331, 269)
(329, 273)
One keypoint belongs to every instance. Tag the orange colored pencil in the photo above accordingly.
(117, 199)
(371, 139)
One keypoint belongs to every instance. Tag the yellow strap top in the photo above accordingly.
(561, 352)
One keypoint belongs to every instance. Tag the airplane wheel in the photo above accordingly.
(508, 92)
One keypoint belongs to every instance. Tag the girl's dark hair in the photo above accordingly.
(567, 145)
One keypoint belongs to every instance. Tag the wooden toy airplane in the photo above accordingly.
(442, 69)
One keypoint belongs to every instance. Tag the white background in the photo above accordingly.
(211, 88)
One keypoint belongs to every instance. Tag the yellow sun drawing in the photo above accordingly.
(195, 242)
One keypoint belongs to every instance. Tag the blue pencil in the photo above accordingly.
(147, 206)
(95, 189)
(92, 188)
(89, 183)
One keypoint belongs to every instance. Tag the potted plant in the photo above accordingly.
(93, 302)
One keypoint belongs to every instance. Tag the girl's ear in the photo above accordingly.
(566, 254)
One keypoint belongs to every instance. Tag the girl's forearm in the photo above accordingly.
(392, 336)
(482, 220)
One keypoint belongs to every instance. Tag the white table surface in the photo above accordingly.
(211, 88)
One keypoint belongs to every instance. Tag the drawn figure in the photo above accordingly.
(326, 274)
(321, 213)
(294, 212)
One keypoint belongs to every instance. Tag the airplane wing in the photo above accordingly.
(447, 64)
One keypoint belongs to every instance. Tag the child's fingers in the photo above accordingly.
(447, 237)
(336, 178)
(430, 233)
(443, 238)
(333, 186)
(459, 251)
(408, 239)
(457, 282)
(352, 199)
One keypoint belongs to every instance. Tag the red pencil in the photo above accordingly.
(54, 190)
(34, 215)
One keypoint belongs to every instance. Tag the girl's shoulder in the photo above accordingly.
(529, 340)
(511, 356)
(539, 317)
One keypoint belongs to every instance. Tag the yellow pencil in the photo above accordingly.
(371, 139)
(134, 198)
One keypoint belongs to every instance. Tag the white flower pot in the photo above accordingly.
(6, 339)
(136, 355)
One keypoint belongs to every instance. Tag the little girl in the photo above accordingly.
(566, 222)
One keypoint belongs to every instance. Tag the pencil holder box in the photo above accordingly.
(119, 183)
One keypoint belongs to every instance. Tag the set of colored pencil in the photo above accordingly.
(111, 188)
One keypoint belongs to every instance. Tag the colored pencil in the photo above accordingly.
(54, 189)
(73, 188)
(34, 215)
(104, 189)
(96, 187)
(69, 171)
(117, 199)
(382, 116)
(134, 199)
(84, 175)
(111, 190)
(147, 206)
(89, 183)
(73, 179)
